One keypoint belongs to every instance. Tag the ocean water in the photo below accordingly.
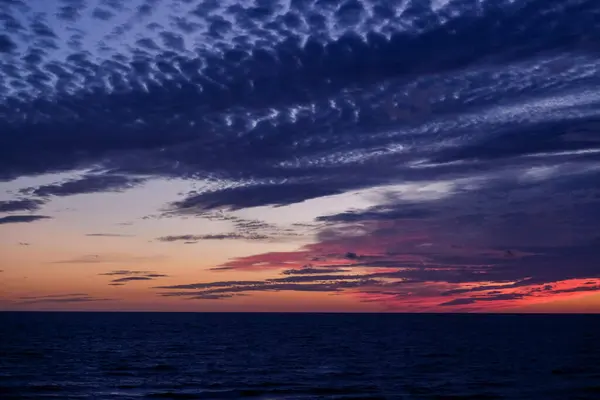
(298, 356)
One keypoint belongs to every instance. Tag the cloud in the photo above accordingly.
(102, 14)
(110, 258)
(16, 219)
(214, 296)
(125, 272)
(482, 162)
(86, 184)
(173, 41)
(62, 298)
(342, 107)
(493, 243)
(68, 300)
(20, 205)
(243, 229)
(579, 289)
(409, 211)
(207, 285)
(236, 290)
(116, 5)
(471, 300)
(71, 10)
(6, 44)
(51, 296)
(307, 270)
(131, 276)
(222, 236)
(107, 235)
(317, 278)
(298, 283)
(254, 196)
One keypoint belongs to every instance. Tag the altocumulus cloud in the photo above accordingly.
(304, 100)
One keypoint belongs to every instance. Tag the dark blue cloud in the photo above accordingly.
(71, 10)
(310, 270)
(103, 14)
(555, 137)
(86, 184)
(41, 29)
(254, 196)
(20, 205)
(172, 41)
(17, 219)
(6, 44)
(349, 94)
(384, 212)
(117, 5)
(218, 236)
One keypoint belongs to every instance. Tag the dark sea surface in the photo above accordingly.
(298, 356)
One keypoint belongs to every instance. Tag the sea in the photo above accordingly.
(55, 355)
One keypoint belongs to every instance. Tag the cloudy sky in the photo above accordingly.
(300, 155)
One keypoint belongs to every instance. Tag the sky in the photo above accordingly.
(300, 155)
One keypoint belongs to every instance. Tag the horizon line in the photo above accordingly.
(297, 312)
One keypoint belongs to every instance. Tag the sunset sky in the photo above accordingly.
(300, 155)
